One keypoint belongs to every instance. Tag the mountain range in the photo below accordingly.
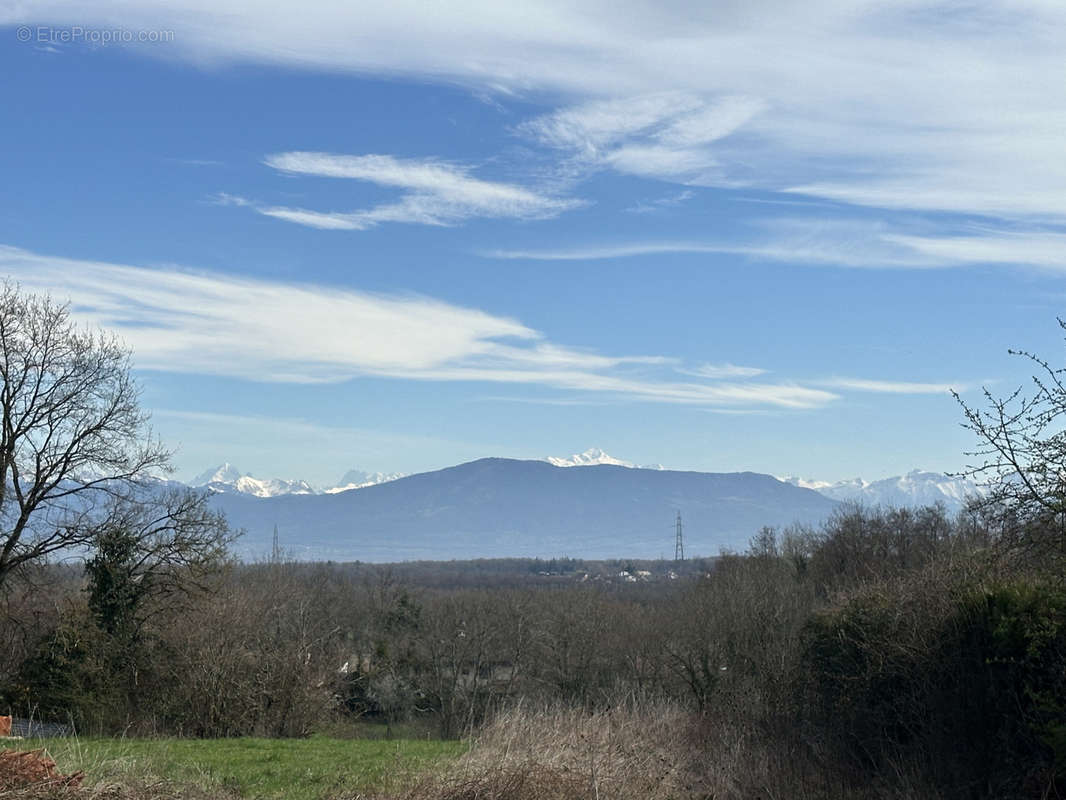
(227, 479)
(588, 505)
(916, 488)
(594, 456)
(497, 507)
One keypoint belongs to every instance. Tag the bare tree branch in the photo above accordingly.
(1021, 453)
(74, 443)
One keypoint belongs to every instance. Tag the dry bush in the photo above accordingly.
(615, 754)
(257, 658)
(647, 752)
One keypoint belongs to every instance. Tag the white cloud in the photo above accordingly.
(894, 387)
(437, 193)
(853, 244)
(725, 371)
(796, 241)
(661, 203)
(329, 221)
(711, 122)
(195, 322)
(593, 127)
(921, 104)
(658, 161)
(784, 395)
(1044, 250)
(657, 136)
(605, 251)
(227, 199)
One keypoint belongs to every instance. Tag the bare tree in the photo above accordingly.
(74, 438)
(1022, 453)
(151, 554)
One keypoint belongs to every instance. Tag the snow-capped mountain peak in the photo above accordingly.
(594, 456)
(224, 473)
(358, 479)
(916, 488)
(226, 478)
(851, 484)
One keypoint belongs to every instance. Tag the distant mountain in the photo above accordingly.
(502, 507)
(594, 456)
(222, 474)
(586, 505)
(916, 488)
(228, 479)
(357, 479)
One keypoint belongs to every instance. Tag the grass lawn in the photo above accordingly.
(301, 769)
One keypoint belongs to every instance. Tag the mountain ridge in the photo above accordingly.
(226, 478)
(915, 488)
(496, 507)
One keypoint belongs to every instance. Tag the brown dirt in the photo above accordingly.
(23, 768)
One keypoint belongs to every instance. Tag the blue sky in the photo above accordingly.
(721, 236)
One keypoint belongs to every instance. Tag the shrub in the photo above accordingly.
(967, 682)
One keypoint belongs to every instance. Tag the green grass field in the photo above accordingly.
(301, 769)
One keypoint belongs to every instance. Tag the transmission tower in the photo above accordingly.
(679, 545)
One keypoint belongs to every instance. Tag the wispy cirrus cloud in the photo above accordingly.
(920, 105)
(596, 252)
(668, 135)
(894, 387)
(781, 395)
(195, 322)
(184, 321)
(1041, 249)
(724, 371)
(227, 199)
(839, 243)
(790, 241)
(433, 192)
(661, 203)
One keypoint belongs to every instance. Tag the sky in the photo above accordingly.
(398, 236)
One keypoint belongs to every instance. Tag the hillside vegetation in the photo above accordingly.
(889, 653)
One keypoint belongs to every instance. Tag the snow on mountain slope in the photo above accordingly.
(358, 479)
(498, 508)
(840, 490)
(226, 478)
(226, 473)
(272, 487)
(924, 488)
(594, 456)
(916, 488)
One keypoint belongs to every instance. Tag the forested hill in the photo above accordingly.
(499, 507)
